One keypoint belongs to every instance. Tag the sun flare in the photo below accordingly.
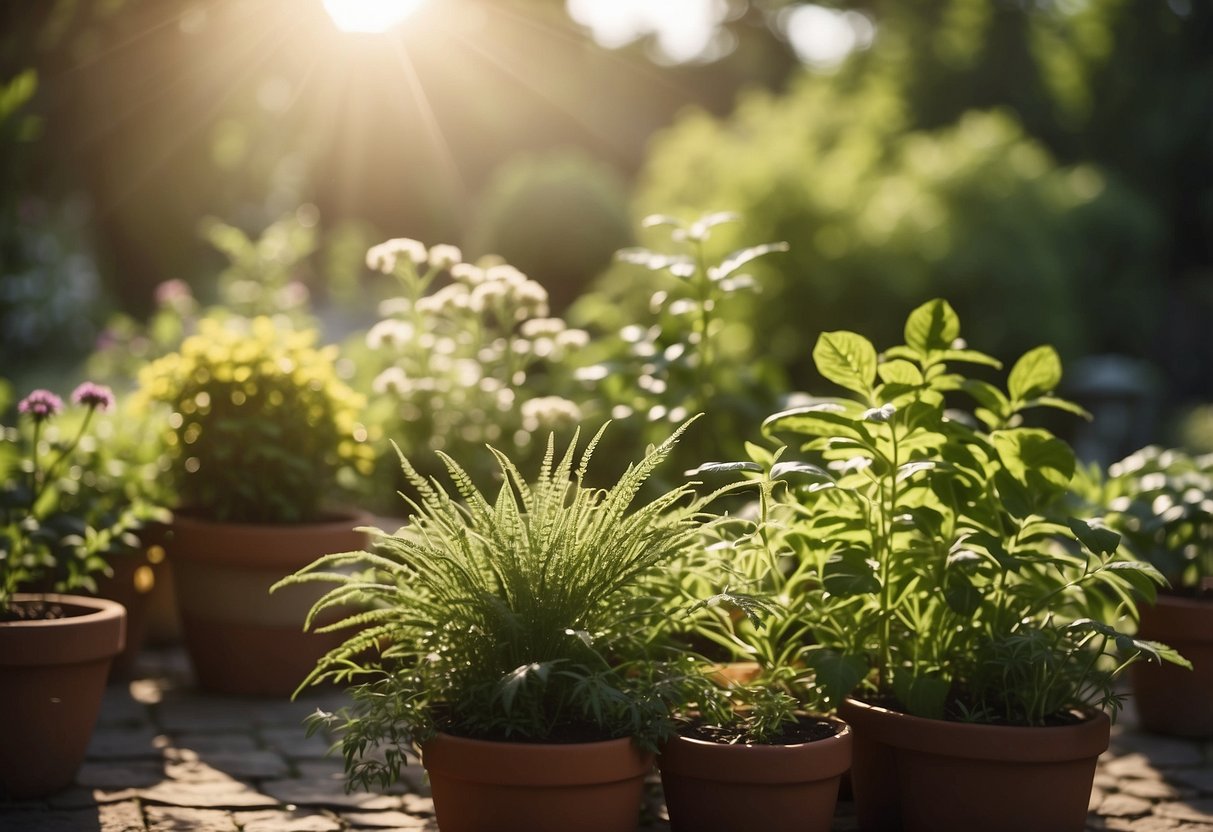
(369, 15)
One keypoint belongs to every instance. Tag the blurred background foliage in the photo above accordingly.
(1045, 164)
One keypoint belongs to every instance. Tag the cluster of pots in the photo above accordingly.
(903, 772)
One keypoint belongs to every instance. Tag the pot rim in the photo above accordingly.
(261, 545)
(975, 741)
(1176, 619)
(759, 763)
(99, 633)
(534, 764)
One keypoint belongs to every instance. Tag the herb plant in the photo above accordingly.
(952, 581)
(516, 618)
(1161, 502)
(58, 523)
(690, 356)
(261, 429)
(755, 586)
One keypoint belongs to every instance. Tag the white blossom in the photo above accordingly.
(536, 327)
(548, 412)
(443, 256)
(389, 332)
(391, 380)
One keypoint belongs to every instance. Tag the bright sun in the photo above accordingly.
(369, 15)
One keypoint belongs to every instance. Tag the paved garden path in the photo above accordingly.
(166, 758)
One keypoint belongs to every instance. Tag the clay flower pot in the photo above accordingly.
(241, 639)
(52, 677)
(929, 775)
(1171, 699)
(776, 788)
(482, 786)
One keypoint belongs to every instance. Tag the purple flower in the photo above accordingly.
(40, 404)
(93, 395)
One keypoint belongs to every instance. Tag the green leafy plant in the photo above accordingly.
(260, 429)
(753, 586)
(520, 617)
(690, 356)
(63, 513)
(1161, 502)
(952, 582)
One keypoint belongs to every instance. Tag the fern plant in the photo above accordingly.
(520, 618)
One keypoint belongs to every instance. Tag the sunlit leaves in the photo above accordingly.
(1036, 373)
(932, 326)
(847, 359)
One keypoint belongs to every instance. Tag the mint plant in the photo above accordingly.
(952, 582)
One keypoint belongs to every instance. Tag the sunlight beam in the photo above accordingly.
(369, 16)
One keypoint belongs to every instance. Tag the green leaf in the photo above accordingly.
(1037, 372)
(1035, 457)
(1059, 404)
(847, 359)
(922, 695)
(932, 326)
(722, 468)
(1014, 496)
(836, 674)
(899, 371)
(1099, 540)
(781, 469)
(850, 572)
(739, 258)
(822, 419)
(970, 357)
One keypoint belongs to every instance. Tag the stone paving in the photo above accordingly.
(167, 758)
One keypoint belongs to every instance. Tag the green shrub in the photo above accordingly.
(879, 217)
(260, 426)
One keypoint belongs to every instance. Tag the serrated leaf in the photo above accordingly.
(825, 419)
(989, 397)
(932, 326)
(1036, 373)
(847, 359)
(1035, 457)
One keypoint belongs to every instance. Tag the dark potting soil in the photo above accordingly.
(804, 729)
(33, 611)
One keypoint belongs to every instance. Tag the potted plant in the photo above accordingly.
(55, 649)
(505, 639)
(974, 626)
(259, 432)
(1161, 501)
(750, 753)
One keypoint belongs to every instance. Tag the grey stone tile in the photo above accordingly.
(120, 774)
(124, 743)
(326, 792)
(177, 819)
(1188, 811)
(230, 794)
(287, 821)
(384, 820)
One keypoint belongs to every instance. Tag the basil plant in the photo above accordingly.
(952, 584)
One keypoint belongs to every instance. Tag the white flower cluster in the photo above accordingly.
(461, 345)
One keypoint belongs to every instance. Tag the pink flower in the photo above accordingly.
(93, 395)
(40, 404)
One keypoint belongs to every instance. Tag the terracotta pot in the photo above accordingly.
(163, 617)
(481, 786)
(712, 787)
(241, 639)
(734, 674)
(929, 775)
(52, 677)
(134, 578)
(1171, 699)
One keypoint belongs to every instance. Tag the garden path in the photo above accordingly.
(167, 758)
